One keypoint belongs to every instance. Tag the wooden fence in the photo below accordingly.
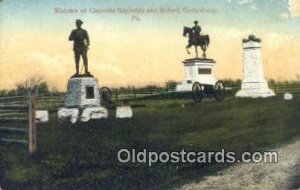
(291, 88)
(134, 93)
(17, 115)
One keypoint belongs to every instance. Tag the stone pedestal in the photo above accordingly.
(197, 70)
(254, 83)
(82, 92)
(82, 101)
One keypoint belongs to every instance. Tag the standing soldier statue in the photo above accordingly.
(80, 47)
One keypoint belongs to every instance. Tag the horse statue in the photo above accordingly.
(202, 41)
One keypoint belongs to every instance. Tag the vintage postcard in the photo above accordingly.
(157, 94)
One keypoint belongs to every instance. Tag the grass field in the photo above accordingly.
(84, 155)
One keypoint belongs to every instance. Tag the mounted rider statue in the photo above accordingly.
(196, 39)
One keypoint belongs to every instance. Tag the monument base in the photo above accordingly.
(84, 114)
(197, 70)
(255, 90)
(82, 92)
(82, 100)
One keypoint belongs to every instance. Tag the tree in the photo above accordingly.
(35, 84)
(3, 92)
(171, 85)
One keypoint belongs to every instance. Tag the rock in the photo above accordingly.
(68, 113)
(287, 96)
(41, 116)
(124, 112)
(93, 113)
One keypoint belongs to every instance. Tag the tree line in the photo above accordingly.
(40, 86)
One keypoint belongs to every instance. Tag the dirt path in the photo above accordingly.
(283, 175)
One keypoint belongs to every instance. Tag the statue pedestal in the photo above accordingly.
(197, 70)
(82, 100)
(82, 92)
(254, 83)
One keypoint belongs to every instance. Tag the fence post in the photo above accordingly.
(32, 124)
(116, 95)
(275, 88)
(134, 93)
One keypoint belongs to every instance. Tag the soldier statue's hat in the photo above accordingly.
(79, 21)
(196, 22)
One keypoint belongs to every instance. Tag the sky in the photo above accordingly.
(143, 47)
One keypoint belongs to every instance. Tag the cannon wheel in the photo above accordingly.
(219, 91)
(197, 92)
(105, 94)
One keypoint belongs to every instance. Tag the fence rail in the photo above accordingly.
(9, 129)
(7, 140)
(287, 88)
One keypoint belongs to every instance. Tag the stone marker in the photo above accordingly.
(287, 96)
(254, 83)
(93, 113)
(68, 113)
(124, 112)
(41, 116)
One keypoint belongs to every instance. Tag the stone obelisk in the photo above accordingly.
(254, 84)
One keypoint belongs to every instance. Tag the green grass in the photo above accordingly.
(84, 156)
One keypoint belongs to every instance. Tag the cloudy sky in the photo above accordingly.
(141, 48)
